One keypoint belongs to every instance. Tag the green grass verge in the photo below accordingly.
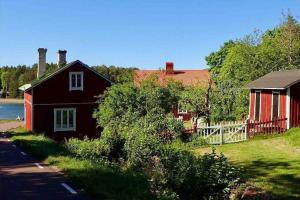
(271, 163)
(7, 120)
(101, 180)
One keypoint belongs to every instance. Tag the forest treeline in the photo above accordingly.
(12, 77)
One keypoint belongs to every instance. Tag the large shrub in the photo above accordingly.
(141, 149)
(209, 176)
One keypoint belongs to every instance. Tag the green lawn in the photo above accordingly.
(101, 180)
(270, 163)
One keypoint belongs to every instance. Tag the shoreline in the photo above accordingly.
(11, 101)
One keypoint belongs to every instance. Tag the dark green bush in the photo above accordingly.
(141, 149)
(190, 177)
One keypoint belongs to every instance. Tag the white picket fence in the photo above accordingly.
(223, 133)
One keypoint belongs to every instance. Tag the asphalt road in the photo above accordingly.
(23, 178)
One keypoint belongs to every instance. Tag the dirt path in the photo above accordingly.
(23, 178)
(5, 126)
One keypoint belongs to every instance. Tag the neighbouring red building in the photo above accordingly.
(62, 103)
(276, 96)
(186, 77)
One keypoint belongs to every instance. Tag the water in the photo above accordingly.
(11, 111)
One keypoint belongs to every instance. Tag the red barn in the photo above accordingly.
(276, 95)
(186, 77)
(62, 103)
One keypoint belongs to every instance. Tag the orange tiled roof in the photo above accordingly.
(187, 77)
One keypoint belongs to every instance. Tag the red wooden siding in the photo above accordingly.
(266, 104)
(185, 116)
(54, 93)
(85, 124)
(252, 104)
(295, 105)
(28, 110)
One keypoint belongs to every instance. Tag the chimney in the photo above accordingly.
(169, 68)
(42, 62)
(61, 56)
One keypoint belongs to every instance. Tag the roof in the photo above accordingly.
(276, 80)
(186, 77)
(50, 75)
(25, 87)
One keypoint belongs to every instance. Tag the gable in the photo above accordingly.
(60, 70)
(56, 90)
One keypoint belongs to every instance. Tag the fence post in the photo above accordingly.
(246, 129)
(222, 133)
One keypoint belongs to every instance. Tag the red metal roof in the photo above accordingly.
(187, 77)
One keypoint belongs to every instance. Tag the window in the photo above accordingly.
(76, 80)
(64, 119)
(275, 104)
(257, 105)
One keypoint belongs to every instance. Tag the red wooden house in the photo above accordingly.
(276, 95)
(186, 77)
(62, 103)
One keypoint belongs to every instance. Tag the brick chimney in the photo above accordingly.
(169, 68)
(41, 62)
(61, 58)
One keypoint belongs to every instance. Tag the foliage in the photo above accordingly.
(293, 137)
(140, 133)
(210, 176)
(116, 74)
(239, 62)
(87, 149)
(123, 105)
(141, 148)
(194, 100)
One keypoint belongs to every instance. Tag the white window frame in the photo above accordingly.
(256, 91)
(275, 92)
(56, 129)
(181, 111)
(70, 81)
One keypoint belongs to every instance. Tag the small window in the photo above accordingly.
(64, 119)
(181, 111)
(257, 105)
(76, 81)
(275, 105)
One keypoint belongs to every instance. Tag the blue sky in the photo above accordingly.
(140, 33)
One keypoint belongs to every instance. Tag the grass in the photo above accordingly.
(271, 163)
(187, 124)
(101, 180)
(7, 120)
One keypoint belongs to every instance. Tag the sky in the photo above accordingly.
(131, 33)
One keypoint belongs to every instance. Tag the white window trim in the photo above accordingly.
(275, 92)
(256, 91)
(181, 111)
(74, 119)
(70, 81)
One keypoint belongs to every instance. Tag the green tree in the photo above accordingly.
(4, 81)
(194, 100)
(237, 63)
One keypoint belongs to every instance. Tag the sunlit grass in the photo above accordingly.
(271, 163)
